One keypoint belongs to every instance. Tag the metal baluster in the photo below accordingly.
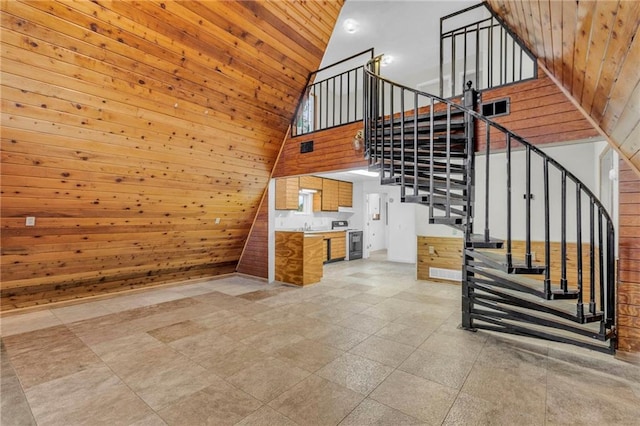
(441, 68)
(464, 66)
(477, 87)
(355, 102)
(563, 233)
(509, 254)
(382, 135)
(326, 103)
(502, 54)
(402, 157)
(453, 65)
(415, 142)
(611, 303)
(579, 248)
(333, 101)
(392, 141)
(367, 117)
(486, 179)
(341, 98)
(431, 162)
(601, 247)
(513, 59)
(448, 163)
(527, 212)
(365, 91)
(547, 233)
(490, 56)
(592, 269)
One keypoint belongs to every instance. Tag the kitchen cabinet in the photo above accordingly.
(330, 195)
(317, 202)
(311, 182)
(299, 257)
(287, 190)
(345, 194)
(335, 246)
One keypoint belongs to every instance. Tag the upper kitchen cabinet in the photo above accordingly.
(287, 190)
(345, 194)
(330, 195)
(311, 182)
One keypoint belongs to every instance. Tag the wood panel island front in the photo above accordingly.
(299, 255)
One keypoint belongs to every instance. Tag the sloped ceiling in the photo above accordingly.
(591, 49)
(141, 135)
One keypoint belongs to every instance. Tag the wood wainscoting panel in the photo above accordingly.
(447, 254)
(438, 252)
(629, 265)
(141, 136)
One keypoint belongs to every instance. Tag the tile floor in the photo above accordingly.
(368, 345)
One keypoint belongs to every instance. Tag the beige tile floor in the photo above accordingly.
(368, 345)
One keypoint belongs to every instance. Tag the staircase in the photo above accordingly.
(427, 146)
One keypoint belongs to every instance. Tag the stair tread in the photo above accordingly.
(567, 306)
(478, 241)
(518, 266)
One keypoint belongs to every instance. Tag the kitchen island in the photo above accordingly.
(299, 257)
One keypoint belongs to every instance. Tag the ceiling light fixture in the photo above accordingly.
(387, 60)
(364, 173)
(351, 25)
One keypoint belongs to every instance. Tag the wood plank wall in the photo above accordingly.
(629, 255)
(592, 50)
(332, 151)
(254, 260)
(539, 111)
(128, 128)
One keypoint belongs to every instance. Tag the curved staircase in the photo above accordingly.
(429, 147)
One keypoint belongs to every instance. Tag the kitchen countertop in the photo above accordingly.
(312, 231)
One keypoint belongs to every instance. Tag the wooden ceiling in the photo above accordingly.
(591, 49)
(141, 135)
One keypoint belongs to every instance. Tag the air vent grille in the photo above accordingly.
(445, 274)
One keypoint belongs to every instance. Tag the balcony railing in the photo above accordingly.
(332, 101)
(482, 51)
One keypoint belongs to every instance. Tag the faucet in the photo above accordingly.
(306, 227)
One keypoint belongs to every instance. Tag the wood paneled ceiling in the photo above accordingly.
(130, 127)
(591, 49)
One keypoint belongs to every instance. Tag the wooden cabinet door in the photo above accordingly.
(317, 201)
(345, 194)
(339, 246)
(330, 194)
(287, 193)
(311, 182)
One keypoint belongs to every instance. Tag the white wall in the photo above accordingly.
(400, 234)
(580, 159)
(402, 245)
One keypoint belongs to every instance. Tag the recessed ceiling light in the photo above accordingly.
(351, 25)
(387, 60)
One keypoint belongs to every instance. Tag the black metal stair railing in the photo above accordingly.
(427, 146)
(332, 101)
